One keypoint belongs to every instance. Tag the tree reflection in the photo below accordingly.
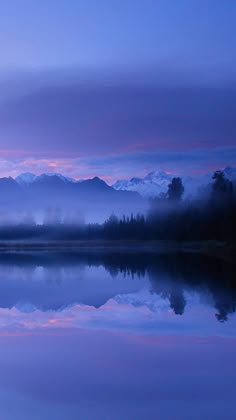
(177, 301)
(171, 275)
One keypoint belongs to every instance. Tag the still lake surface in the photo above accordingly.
(98, 335)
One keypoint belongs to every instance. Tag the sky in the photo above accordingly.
(117, 89)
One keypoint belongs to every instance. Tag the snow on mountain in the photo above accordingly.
(28, 178)
(146, 298)
(157, 182)
(25, 178)
(230, 173)
(150, 186)
(25, 307)
(63, 177)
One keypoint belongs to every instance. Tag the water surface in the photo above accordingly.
(116, 336)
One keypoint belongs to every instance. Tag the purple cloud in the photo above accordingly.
(113, 127)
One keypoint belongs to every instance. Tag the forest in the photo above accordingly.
(209, 216)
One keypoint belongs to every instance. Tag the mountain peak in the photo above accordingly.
(230, 172)
(157, 182)
(96, 182)
(62, 177)
(136, 180)
(158, 174)
(28, 178)
(25, 178)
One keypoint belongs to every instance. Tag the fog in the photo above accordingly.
(53, 209)
(52, 200)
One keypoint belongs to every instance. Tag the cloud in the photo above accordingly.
(111, 167)
(98, 116)
(114, 126)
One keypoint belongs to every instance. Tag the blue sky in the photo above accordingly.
(197, 34)
(86, 83)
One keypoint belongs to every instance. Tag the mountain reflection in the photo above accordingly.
(56, 280)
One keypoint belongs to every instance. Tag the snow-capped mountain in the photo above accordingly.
(25, 178)
(144, 297)
(157, 182)
(53, 197)
(151, 185)
(28, 178)
(230, 173)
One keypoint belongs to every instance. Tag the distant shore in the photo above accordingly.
(223, 250)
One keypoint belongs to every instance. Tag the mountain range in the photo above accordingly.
(157, 182)
(56, 196)
(53, 194)
(150, 185)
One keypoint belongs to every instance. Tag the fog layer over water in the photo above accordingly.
(98, 335)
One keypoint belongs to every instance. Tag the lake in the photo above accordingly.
(116, 335)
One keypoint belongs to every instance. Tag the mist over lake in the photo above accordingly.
(117, 210)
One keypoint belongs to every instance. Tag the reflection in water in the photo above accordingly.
(177, 301)
(53, 281)
(109, 335)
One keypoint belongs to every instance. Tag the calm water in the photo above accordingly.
(116, 336)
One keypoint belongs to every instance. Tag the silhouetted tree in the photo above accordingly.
(222, 188)
(211, 217)
(177, 301)
(221, 208)
(175, 189)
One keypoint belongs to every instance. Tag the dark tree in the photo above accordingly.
(222, 188)
(177, 301)
(175, 189)
(222, 207)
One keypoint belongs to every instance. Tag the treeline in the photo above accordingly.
(211, 216)
(171, 275)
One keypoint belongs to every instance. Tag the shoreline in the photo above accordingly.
(218, 249)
